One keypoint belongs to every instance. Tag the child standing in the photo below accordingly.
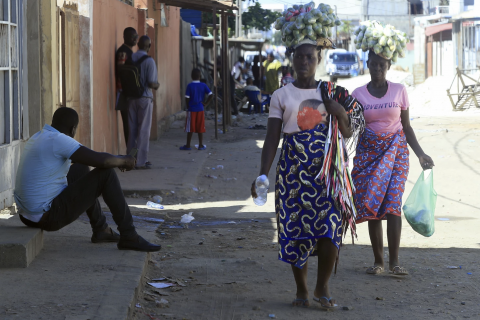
(195, 121)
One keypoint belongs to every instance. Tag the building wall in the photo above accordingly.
(10, 151)
(110, 18)
(168, 96)
(387, 8)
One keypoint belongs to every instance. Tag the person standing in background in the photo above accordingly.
(238, 69)
(272, 68)
(140, 109)
(130, 38)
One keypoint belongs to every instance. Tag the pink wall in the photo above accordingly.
(110, 18)
(168, 63)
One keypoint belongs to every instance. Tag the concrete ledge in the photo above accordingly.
(19, 246)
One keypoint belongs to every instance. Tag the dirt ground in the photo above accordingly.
(224, 264)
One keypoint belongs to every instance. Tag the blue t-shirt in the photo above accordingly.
(196, 92)
(42, 171)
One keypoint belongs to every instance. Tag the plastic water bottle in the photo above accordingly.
(261, 187)
(153, 205)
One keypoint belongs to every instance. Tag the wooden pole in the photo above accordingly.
(215, 70)
(225, 78)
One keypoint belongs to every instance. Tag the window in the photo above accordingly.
(164, 22)
(10, 120)
(416, 8)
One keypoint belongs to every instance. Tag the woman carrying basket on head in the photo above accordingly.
(381, 163)
(313, 209)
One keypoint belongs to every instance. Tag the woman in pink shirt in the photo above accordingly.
(381, 163)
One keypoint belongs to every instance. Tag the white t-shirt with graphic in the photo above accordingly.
(300, 109)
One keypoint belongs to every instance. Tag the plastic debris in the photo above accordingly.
(162, 303)
(187, 218)
(271, 315)
(195, 189)
(161, 285)
(469, 273)
(138, 305)
(153, 205)
(454, 267)
(443, 219)
(210, 176)
(157, 199)
(219, 166)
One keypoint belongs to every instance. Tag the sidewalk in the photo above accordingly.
(172, 168)
(72, 278)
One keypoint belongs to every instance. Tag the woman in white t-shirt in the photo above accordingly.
(310, 220)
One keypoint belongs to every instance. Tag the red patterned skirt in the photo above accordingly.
(380, 170)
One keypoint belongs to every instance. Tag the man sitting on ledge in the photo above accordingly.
(52, 193)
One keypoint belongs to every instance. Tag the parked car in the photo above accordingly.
(344, 65)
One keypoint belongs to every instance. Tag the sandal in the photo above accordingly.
(325, 306)
(304, 303)
(399, 271)
(375, 270)
(185, 148)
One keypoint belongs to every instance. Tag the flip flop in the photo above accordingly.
(399, 271)
(375, 270)
(202, 148)
(148, 163)
(185, 148)
(304, 303)
(324, 306)
(142, 168)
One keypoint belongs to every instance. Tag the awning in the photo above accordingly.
(201, 5)
(429, 30)
(244, 44)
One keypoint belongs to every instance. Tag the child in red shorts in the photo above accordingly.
(195, 121)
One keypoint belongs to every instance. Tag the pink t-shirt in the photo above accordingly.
(383, 114)
(300, 109)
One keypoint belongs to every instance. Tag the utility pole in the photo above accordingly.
(240, 12)
(238, 20)
(336, 27)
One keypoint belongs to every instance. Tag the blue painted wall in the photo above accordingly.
(193, 17)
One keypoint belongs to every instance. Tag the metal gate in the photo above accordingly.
(11, 123)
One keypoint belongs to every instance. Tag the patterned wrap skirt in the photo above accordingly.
(380, 170)
(304, 211)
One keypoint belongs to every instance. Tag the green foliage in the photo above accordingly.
(259, 18)
(277, 38)
(346, 29)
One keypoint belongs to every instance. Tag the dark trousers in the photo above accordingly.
(124, 113)
(84, 188)
(232, 95)
(122, 106)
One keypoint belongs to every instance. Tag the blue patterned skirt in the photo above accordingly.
(305, 213)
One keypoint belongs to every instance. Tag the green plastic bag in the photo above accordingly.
(419, 209)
